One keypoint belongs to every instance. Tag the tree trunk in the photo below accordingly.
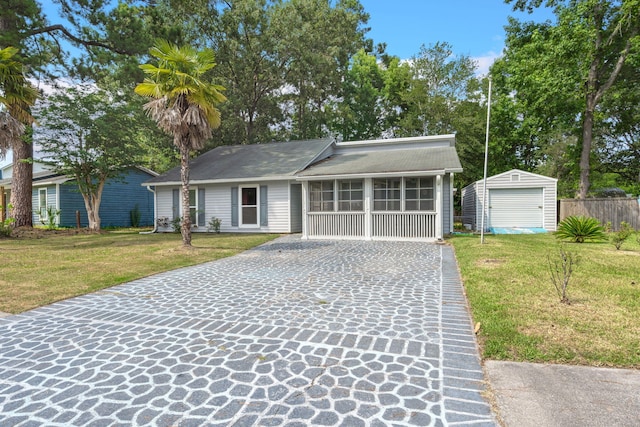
(185, 229)
(92, 205)
(21, 184)
(585, 155)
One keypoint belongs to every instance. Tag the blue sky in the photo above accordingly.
(474, 28)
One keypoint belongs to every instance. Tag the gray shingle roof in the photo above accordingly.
(387, 161)
(258, 161)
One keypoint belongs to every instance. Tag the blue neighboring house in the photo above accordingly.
(119, 197)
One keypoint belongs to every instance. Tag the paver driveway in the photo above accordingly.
(290, 333)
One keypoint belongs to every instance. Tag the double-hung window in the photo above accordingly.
(193, 206)
(321, 196)
(386, 194)
(350, 195)
(419, 194)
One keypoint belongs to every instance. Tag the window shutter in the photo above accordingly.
(264, 212)
(234, 206)
(201, 207)
(176, 203)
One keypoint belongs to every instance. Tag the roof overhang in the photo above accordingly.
(377, 175)
(220, 181)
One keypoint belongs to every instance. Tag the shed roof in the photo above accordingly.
(405, 160)
(255, 161)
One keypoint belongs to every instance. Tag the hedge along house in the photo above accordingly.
(119, 198)
(381, 189)
(517, 201)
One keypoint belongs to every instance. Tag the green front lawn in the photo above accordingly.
(38, 271)
(521, 318)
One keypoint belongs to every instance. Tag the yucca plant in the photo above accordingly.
(578, 229)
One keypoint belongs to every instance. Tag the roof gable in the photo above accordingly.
(426, 154)
(520, 172)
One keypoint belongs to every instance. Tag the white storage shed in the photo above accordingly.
(516, 200)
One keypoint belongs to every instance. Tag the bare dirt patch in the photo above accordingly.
(490, 263)
(39, 233)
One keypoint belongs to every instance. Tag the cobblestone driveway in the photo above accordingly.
(291, 333)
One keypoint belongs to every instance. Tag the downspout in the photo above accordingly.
(155, 209)
(58, 208)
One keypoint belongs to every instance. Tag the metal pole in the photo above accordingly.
(486, 160)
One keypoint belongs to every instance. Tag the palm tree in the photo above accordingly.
(183, 105)
(16, 98)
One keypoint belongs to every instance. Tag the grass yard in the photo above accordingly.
(38, 271)
(512, 296)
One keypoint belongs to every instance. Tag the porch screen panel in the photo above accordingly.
(386, 194)
(321, 196)
(419, 194)
(350, 195)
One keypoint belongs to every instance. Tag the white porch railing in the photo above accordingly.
(384, 225)
(335, 224)
(404, 225)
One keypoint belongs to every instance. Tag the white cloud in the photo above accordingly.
(485, 61)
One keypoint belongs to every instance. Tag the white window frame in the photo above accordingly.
(351, 202)
(42, 209)
(387, 189)
(322, 200)
(418, 189)
(194, 221)
(241, 223)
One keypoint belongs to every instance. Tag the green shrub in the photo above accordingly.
(619, 237)
(214, 224)
(578, 229)
(7, 225)
(50, 220)
(176, 224)
(135, 215)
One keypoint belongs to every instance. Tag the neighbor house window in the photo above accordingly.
(42, 202)
(321, 196)
(386, 194)
(350, 195)
(418, 194)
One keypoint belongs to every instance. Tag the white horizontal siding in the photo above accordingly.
(218, 205)
(278, 205)
(164, 206)
(525, 180)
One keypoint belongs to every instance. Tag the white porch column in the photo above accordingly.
(439, 205)
(305, 203)
(368, 201)
(452, 203)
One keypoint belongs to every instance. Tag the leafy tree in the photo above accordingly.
(570, 68)
(92, 26)
(359, 113)
(439, 81)
(318, 39)
(86, 133)
(183, 105)
(16, 98)
(249, 67)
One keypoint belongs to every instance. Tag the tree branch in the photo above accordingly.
(57, 27)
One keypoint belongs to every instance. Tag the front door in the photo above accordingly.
(249, 206)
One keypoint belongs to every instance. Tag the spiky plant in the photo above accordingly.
(579, 229)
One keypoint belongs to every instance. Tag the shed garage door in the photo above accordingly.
(515, 207)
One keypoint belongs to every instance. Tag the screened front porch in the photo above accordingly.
(377, 208)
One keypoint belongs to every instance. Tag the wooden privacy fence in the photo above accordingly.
(613, 210)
